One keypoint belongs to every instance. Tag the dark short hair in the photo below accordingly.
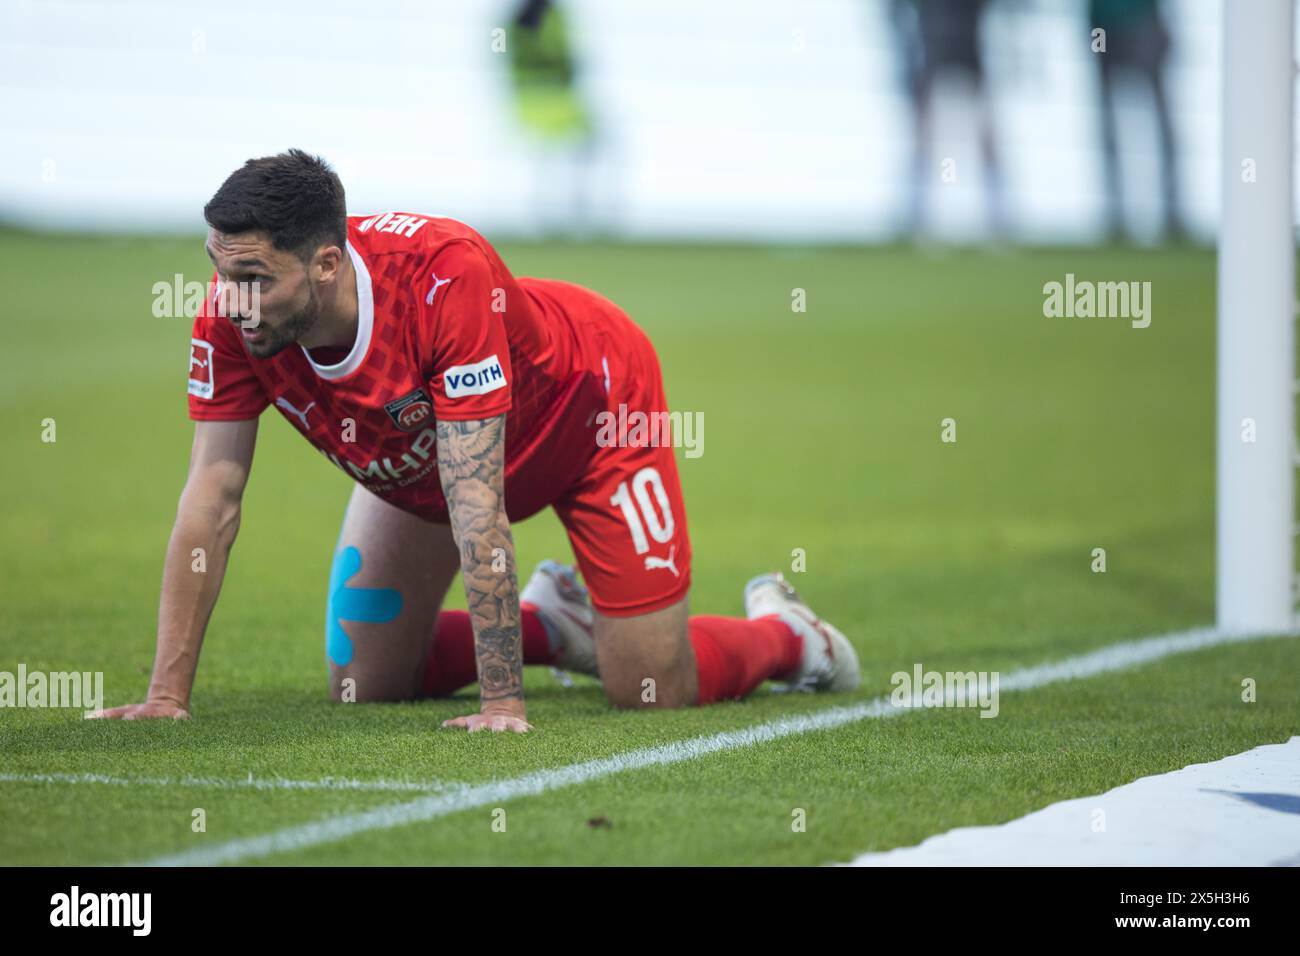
(294, 196)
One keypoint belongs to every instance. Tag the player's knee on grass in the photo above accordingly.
(352, 686)
(665, 692)
(387, 579)
(371, 655)
(647, 661)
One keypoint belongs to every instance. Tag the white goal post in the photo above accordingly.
(1255, 504)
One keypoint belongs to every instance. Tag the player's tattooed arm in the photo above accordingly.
(471, 466)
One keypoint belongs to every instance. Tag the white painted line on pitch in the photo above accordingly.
(251, 783)
(461, 797)
(1243, 810)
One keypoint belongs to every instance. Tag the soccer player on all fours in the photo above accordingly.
(461, 400)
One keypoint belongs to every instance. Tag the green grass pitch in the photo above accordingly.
(822, 433)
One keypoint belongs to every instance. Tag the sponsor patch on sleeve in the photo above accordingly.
(477, 379)
(200, 368)
(410, 411)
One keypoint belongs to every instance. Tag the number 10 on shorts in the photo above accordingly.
(640, 513)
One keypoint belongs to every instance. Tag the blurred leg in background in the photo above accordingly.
(935, 37)
(1136, 44)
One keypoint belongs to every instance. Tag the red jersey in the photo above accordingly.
(444, 331)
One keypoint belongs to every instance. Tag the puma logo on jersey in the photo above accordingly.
(437, 283)
(301, 415)
(652, 563)
(477, 379)
(401, 223)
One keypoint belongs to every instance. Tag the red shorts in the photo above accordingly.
(624, 514)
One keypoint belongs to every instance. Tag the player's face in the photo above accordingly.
(266, 292)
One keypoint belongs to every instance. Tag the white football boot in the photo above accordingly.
(563, 602)
(829, 661)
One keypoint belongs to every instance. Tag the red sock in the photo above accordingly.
(733, 656)
(450, 664)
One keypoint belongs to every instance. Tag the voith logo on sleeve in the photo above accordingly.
(477, 379)
(200, 368)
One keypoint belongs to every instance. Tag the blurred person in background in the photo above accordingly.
(552, 112)
(935, 37)
(1135, 41)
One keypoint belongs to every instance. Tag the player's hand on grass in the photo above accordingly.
(497, 716)
(158, 707)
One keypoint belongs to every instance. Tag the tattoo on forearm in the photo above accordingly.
(471, 464)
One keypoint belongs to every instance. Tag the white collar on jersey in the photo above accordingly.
(365, 325)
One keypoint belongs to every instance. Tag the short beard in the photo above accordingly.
(292, 329)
